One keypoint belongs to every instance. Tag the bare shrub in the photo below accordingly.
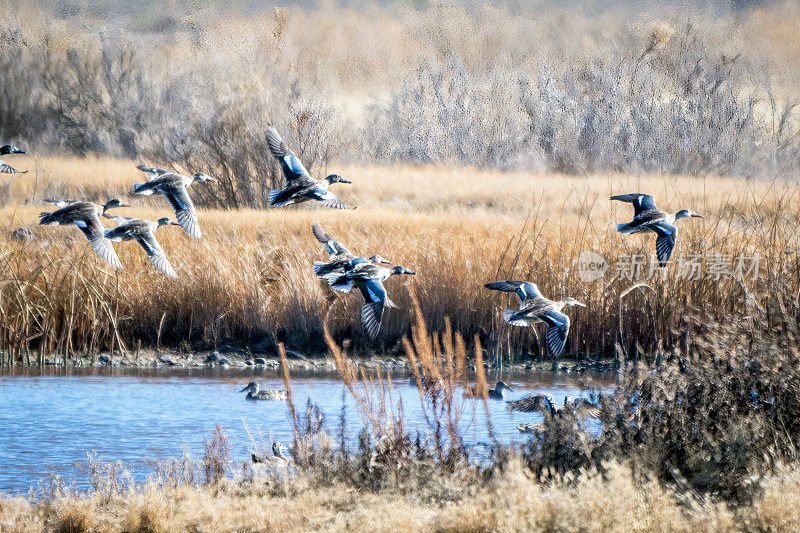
(216, 459)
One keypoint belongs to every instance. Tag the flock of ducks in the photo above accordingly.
(343, 269)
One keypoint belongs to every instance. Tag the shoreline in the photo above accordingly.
(236, 361)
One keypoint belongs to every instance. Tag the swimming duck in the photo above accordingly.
(536, 308)
(648, 217)
(173, 187)
(86, 216)
(5, 167)
(369, 278)
(276, 459)
(543, 403)
(256, 394)
(143, 232)
(300, 186)
(529, 428)
(497, 393)
(340, 259)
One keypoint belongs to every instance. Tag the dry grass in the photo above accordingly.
(250, 279)
(512, 501)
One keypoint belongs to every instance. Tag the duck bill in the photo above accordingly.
(580, 304)
(18, 151)
(411, 272)
(342, 180)
(695, 215)
(385, 262)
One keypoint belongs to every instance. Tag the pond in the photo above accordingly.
(51, 420)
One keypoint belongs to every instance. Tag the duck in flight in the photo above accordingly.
(300, 186)
(5, 167)
(86, 216)
(173, 187)
(340, 259)
(536, 308)
(143, 232)
(543, 403)
(369, 278)
(648, 217)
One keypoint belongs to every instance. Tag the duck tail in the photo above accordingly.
(46, 219)
(273, 196)
(321, 269)
(139, 188)
(510, 317)
(624, 228)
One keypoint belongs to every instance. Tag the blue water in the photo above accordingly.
(50, 422)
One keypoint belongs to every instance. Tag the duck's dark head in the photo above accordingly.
(10, 149)
(166, 221)
(396, 271)
(252, 386)
(572, 301)
(113, 203)
(277, 450)
(336, 178)
(501, 386)
(686, 213)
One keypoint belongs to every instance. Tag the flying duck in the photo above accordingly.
(86, 216)
(536, 308)
(543, 403)
(369, 278)
(5, 167)
(648, 217)
(143, 232)
(173, 187)
(255, 394)
(300, 186)
(340, 259)
(497, 393)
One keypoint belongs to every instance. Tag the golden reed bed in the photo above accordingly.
(251, 277)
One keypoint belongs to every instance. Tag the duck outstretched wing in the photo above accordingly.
(292, 167)
(641, 202)
(524, 289)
